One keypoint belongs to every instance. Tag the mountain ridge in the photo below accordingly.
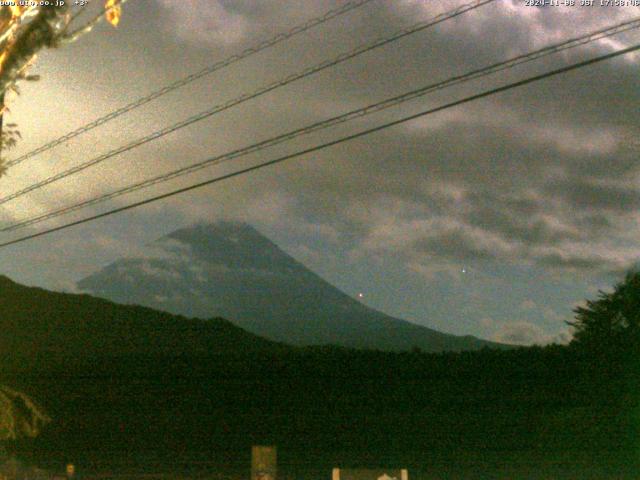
(230, 269)
(42, 326)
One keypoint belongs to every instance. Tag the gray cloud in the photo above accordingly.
(526, 333)
(589, 194)
(542, 176)
(205, 21)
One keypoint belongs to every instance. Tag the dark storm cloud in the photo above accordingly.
(525, 176)
(517, 219)
(502, 187)
(542, 176)
(455, 245)
(583, 194)
(556, 260)
(597, 223)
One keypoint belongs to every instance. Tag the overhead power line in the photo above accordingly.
(275, 40)
(356, 113)
(367, 47)
(331, 143)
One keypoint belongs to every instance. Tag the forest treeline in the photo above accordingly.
(557, 411)
(333, 406)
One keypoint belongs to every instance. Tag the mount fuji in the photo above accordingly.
(231, 270)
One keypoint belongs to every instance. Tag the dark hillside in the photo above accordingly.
(42, 327)
(533, 410)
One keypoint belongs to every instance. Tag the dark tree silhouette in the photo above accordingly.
(612, 322)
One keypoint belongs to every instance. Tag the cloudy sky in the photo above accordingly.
(494, 218)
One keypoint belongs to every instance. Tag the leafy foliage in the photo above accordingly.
(611, 323)
(26, 30)
(19, 415)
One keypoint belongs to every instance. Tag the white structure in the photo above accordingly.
(369, 474)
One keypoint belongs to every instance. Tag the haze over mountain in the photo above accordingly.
(231, 270)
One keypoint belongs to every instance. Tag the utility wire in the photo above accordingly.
(322, 146)
(367, 47)
(279, 38)
(360, 112)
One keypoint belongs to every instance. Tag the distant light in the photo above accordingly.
(360, 295)
(464, 270)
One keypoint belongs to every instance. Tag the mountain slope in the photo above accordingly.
(39, 325)
(231, 270)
